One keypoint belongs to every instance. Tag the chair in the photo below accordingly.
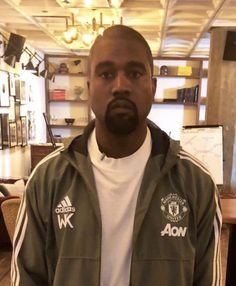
(10, 208)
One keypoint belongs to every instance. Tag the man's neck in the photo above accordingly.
(119, 146)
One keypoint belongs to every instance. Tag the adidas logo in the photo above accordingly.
(65, 206)
(65, 211)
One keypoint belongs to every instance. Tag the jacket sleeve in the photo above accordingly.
(29, 260)
(208, 253)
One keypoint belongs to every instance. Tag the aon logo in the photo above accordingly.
(174, 230)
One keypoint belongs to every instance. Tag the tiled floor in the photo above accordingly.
(5, 258)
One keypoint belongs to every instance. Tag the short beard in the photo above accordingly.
(121, 124)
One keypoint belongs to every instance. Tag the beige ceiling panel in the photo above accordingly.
(22, 27)
(142, 12)
(148, 4)
(42, 4)
(224, 23)
(171, 27)
(190, 15)
(39, 11)
(94, 12)
(194, 5)
(183, 29)
(186, 22)
(6, 18)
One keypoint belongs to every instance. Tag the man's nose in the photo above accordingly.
(121, 85)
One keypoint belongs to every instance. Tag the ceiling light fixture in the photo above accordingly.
(71, 33)
(73, 30)
(115, 3)
(77, 62)
(101, 28)
(11, 61)
(30, 67)
(44, 73)
(88, 36)
(37, 68)
(66, 34)
(12, 49)
(51, 76)
(88, 32)
(88, 3)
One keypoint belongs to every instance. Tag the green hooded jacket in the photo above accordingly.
(176, 227)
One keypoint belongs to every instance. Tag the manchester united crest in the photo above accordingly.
(174, 208)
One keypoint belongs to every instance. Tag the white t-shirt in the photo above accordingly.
(118, 182)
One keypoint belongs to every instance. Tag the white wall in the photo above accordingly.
(37, 105)
(170, 118)
(15, 162)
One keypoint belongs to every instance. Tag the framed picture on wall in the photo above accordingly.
(24, 130)
(12, 110)
(23, 92)
(31, 118)
(1, 145)
(5, 130)
(12, 85)
(12, 134)
(19, 132)
(4, 89)
(17, 88)
(17, 110)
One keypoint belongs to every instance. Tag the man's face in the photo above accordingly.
(121, 87)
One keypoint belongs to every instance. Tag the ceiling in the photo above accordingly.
(173, 28)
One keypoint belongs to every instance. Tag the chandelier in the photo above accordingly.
(87, 32)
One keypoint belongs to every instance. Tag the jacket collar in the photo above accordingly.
(160, 140)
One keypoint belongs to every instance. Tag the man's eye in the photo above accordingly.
(106, 75)
(135, 74)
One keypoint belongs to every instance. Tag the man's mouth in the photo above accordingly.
(121, 104)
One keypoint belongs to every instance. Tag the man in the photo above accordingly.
(122, 204)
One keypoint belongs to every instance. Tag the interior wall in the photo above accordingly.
(15, 162)
(221, 102)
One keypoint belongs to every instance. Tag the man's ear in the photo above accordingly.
(154, 85)
(88, 85)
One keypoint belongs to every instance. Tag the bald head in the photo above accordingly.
(126, 33)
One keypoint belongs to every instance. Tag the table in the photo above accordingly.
(228, 205)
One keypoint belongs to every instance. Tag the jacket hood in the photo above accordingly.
(161, 142)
